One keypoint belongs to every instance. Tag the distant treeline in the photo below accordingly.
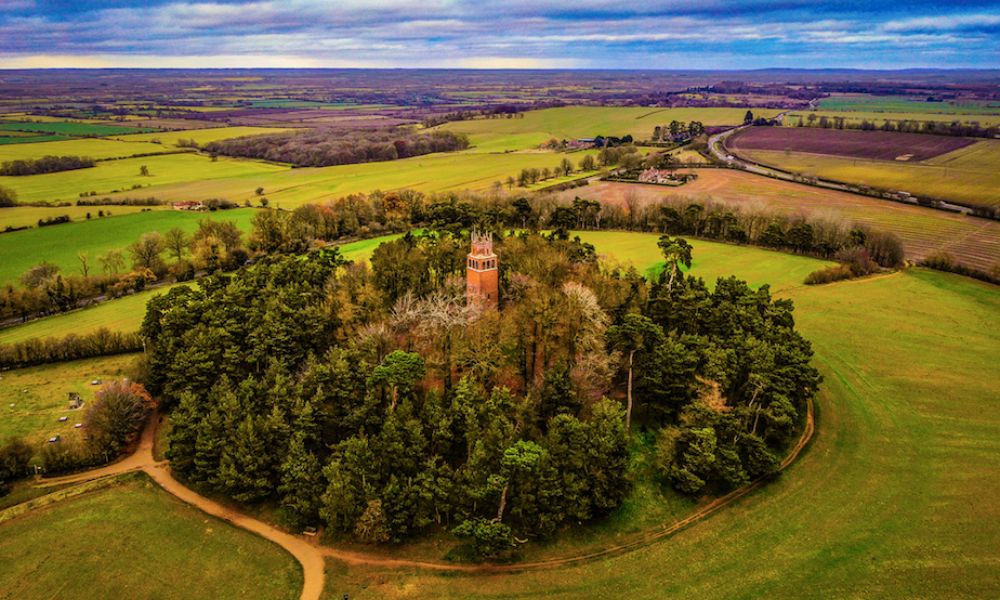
(324, 147)
(954, 128)
(151, 201)
(45, 164)
(37, 351)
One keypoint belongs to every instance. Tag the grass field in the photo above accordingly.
(923, 231)
(289, 188)
(711, 259)
(69, 128)
(39, 396)
(121, 175)
(538, 126)
(968, 175)
(879, 117)
(895, 498)
(906, 104)
(21, 216)
(134, 540)
(201, 136)
(120, 314)
(59, 244)
(96, 148)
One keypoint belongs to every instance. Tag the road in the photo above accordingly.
(717, 146)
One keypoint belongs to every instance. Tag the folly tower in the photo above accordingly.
(482, 283)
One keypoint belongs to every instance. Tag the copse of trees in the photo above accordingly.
(377, 401)
(45, 164)
(326, 147)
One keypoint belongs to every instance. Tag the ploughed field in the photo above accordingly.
(923, 231)
(873, 145)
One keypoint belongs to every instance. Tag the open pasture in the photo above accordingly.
(907, 104)
(125, 176)
(967, 176)
(200, 136)
(878, 117)
(121, 314)
(712, 260)
(96, 148)
(891, 499)
(60, 244)
(573, 122)
(289, 188)
(69, 128)
(28, 216)
(872, 145)
(33, 399)
(923, 231)
(132, 539)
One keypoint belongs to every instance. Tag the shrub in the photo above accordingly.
(14, 458)
(116, 417)
(829, 275)
(486, 538)
(72, 347)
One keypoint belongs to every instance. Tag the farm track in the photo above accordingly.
(311, 556)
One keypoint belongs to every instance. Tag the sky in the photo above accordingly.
(672, 34)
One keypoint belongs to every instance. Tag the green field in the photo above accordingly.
(96, 148)
(570, 123)
(18, 138)
(126, 314)
(711, 259)
(121, 175)
(21, 216)
(968, 175)
(895, 497)
(201, 136)
(39, 396)
(70, 128)
(59, 244)
(120, 314)
(133, 540)
(289, 188)
(879, 117)
(907, 104)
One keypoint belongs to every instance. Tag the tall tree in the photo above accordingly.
(636, 334)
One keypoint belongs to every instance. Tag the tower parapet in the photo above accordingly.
(482, 281)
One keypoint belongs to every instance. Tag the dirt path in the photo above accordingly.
(311, 555)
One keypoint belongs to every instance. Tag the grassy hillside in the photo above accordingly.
(895, 497)
(93, 147)
(968, 175)
(122, 175)
(538, 126)
(201, 136)
(59, 244)
(39, 396)
(711, 260)
(289, 188)
(134, 540)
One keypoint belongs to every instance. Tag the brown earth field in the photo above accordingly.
(878, 145)
(923, 231)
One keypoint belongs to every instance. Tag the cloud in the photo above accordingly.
(516, 33)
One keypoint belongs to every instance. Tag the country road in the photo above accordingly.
(717, 146)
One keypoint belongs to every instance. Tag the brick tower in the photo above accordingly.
(481, 276)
